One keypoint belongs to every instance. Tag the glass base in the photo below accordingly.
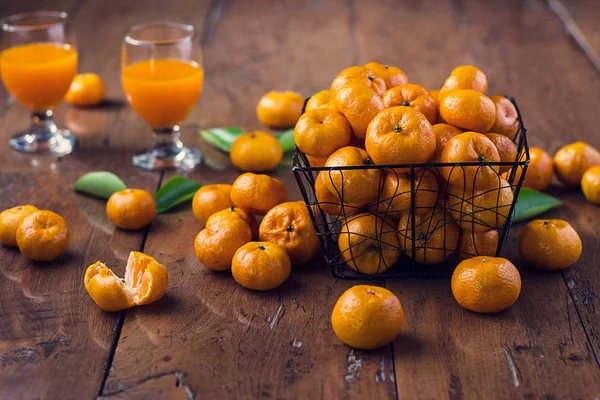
(60, 142)
(150, 159)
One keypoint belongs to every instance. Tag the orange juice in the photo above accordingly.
(163, 91)
(38, 75)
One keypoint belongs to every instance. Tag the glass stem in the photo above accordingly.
(42, 125)
(166, 143)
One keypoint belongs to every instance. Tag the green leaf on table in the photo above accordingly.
(222, 138)
(99, 184)
(175, 191)
(286, 138)
(532, 203)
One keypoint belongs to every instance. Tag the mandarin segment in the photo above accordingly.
(550, 244)
(9, 222)
(256, 151)
(209, 199)
(257, 193)
(42, 235)
(261, 266)
(320, 132)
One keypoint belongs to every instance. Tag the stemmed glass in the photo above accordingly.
(162, 77)
(37, 65)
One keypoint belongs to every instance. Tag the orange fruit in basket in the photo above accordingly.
(289, 226)
(470, 147)
(539, 172)
(216, 244)
(145, 282)
(435, 236)
(329, 202)
(358, 76)
(9, 222)
(279, 110)
(472, 244)
(507, 149)
(86, 90)
(443, 133)
(465, 77)
(368, 244)
(321, 132)
(468, 109)
(507, 118)
(209, 199)
(590, 184)
(549, 244)
(571, 161)
(435, 93)
(415, 97)
(315, 162)
(400, 135)
(235, 213)
(131, 209)
(392, 76)
(260, 266)
(359, 103)
(256, 152)
(42, 235)
(355, 187)
(367, 317)
(320, 99)
(486, 284)
(257, 194)
(396, 192)
(482, 210)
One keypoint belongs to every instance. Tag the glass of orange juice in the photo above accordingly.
(162, 78)
(37, 64)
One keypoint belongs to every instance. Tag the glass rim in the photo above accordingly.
(189, 34)
(11, 22)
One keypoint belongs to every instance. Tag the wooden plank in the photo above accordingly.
(222, 340)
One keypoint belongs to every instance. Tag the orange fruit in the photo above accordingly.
(466, 77)
(415, 97)
(328, 201)
(470, 147)
(209, 199)
(392, 76)
(400, 135)
(131, 209)
(257, 194)
(539, 172)
(289, 226)
(315, 162)
(507, 149)
(235, 213)
(549, 244)
(590, 184)
(321, 99)
(368, 244)
(9, 221)
(357, 76)
(367, 317)
(321, 132)
(216, 244)
(145, 282)
(443, 133)
(571, 161)
(42, 235)
(280, 110)
(397, 188)
(435, 93)
(256, 152)
(355, 187)
(468, 109)
(486, 284)
(435, 236)
(86, 90)
(472, 244)
(507, 118)
(260, 266)
(359, 103)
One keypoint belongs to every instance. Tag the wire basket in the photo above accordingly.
(403, 233)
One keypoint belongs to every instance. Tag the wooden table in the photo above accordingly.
(210, 338)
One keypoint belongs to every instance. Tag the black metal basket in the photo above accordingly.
(420, 227)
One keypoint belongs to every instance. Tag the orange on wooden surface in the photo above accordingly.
(357, 76)
(320, 99)
(414, 96)
(507, 119)
(355, 187)
(397, 188)
(472, 244)
(257, 193)
(468, 110)
(131, 209)
(216, 244)
(145, 282)
(435, 236)
(9, 222)
(289, 226)
(279, 110)
(539, 172)
(86, 90)
(42, 235)
(261, 265)
(236, 213)
(590, 184)
(209, 199)
(321, 132)
(571, 161)
(367, 317)
(486, 284)
(465, 77)
(400, 135)
(392, 76)
(470, 147)
(256, 151)
(368, 244)
(443, 133)
(507, 149)
(315, 162)
(549, 244)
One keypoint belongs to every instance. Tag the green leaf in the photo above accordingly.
(532, 203)
(286, 138)
(222, 138)
(99, 184)
(175, 191)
